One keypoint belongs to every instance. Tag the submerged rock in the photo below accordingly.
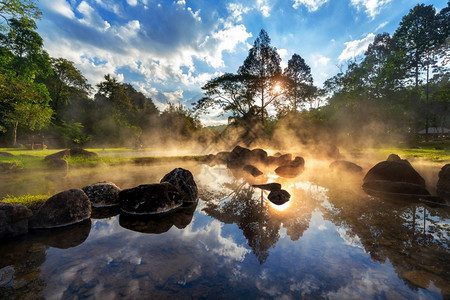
(63, 209)
(292, 168)
(345, 166)
(184, 181)
(384, 187)
(148, 199)
(13, 220)
(252, 170)
(279, 196)
(102, 194)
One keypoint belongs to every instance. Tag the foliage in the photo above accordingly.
(18, 9)
(30, 201)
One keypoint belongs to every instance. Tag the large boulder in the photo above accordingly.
(82, 152)
(6, 154)
(9, 167)
(396, 171)
(150, 199)
(239, 157)
(184, 181)
(252, 170)
(443, 184)
(58, 155)
(13, 220)
(63, 209)
(273, 186)
(102, 194)
(279, 197)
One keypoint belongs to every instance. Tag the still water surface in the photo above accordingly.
(330, 241)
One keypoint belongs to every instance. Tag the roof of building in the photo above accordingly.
(435, 130)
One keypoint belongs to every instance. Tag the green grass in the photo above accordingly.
(33, 202)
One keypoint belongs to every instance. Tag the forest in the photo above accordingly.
(399, 86)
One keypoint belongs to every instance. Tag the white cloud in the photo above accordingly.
(382, 25)
(372, 7)
(237, 10)
(311, 5)
(356, 47)
(91, 17)
(59, 6)
(132, 2)
(263, 7)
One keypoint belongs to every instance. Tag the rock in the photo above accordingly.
(259, 155)
(149, 199)
(60, 155)
(59, 164)
(9, 167)
(345, 166)
(380, 187)
(394, 171)
(82, 152)
(239, 157)
(395, 157)
(63, 209)
(252, 170)
(443, 184)
(273, 186)
(184, 181)
(292, 168)
(7, 154)
(102, 194)
(222, 157)
(327, 150)
(13, 220)
(279, 196)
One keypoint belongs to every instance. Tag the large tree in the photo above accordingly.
(263, 71)
(17, 9)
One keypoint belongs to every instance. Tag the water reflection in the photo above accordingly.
(331, 241)
(158, 224)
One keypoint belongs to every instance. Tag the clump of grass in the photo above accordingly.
(32, 202)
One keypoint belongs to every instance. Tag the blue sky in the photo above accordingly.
(169, 49)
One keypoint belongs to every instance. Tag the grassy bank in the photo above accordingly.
(33, 202)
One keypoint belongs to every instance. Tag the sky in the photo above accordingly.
(169, 49)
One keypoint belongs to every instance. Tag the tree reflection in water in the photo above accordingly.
(260, 220)
(412, 236)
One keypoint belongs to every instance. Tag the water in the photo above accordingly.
(330, 241)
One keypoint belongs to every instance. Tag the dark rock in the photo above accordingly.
(439, 148)
(384, 187)
(63, 209)
(279, 196)
(104, 212)
(184, 181)
(283, 159)
(239, 157)
(64, 237)
(345, 166)
(394, 171)
(396, 158)
(443, 184)
(327, 150)
(273, 186)
(222, 157)
(7, 154)
(9, 167)
(278, 154)
(252, 170)
(82, 152)
(102, 194)
(148, 199)
(60, 155)
(13, 220)
(59, 164)
(259, 155)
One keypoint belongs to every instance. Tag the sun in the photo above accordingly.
(277, 88)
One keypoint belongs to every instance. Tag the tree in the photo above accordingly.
(263, 73)
(298, 82)
(22, 40)
(17, 9)
(66, 83)
(23, 104)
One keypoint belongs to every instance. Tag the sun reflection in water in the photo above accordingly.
(281, 207)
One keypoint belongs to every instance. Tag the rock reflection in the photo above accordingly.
(21, 259)
(158, 224)
(248, 207)
(412, 236)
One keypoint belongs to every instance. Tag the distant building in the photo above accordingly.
(436, 133)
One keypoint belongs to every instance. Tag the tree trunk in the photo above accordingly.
(426, 104)
(16, 124)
